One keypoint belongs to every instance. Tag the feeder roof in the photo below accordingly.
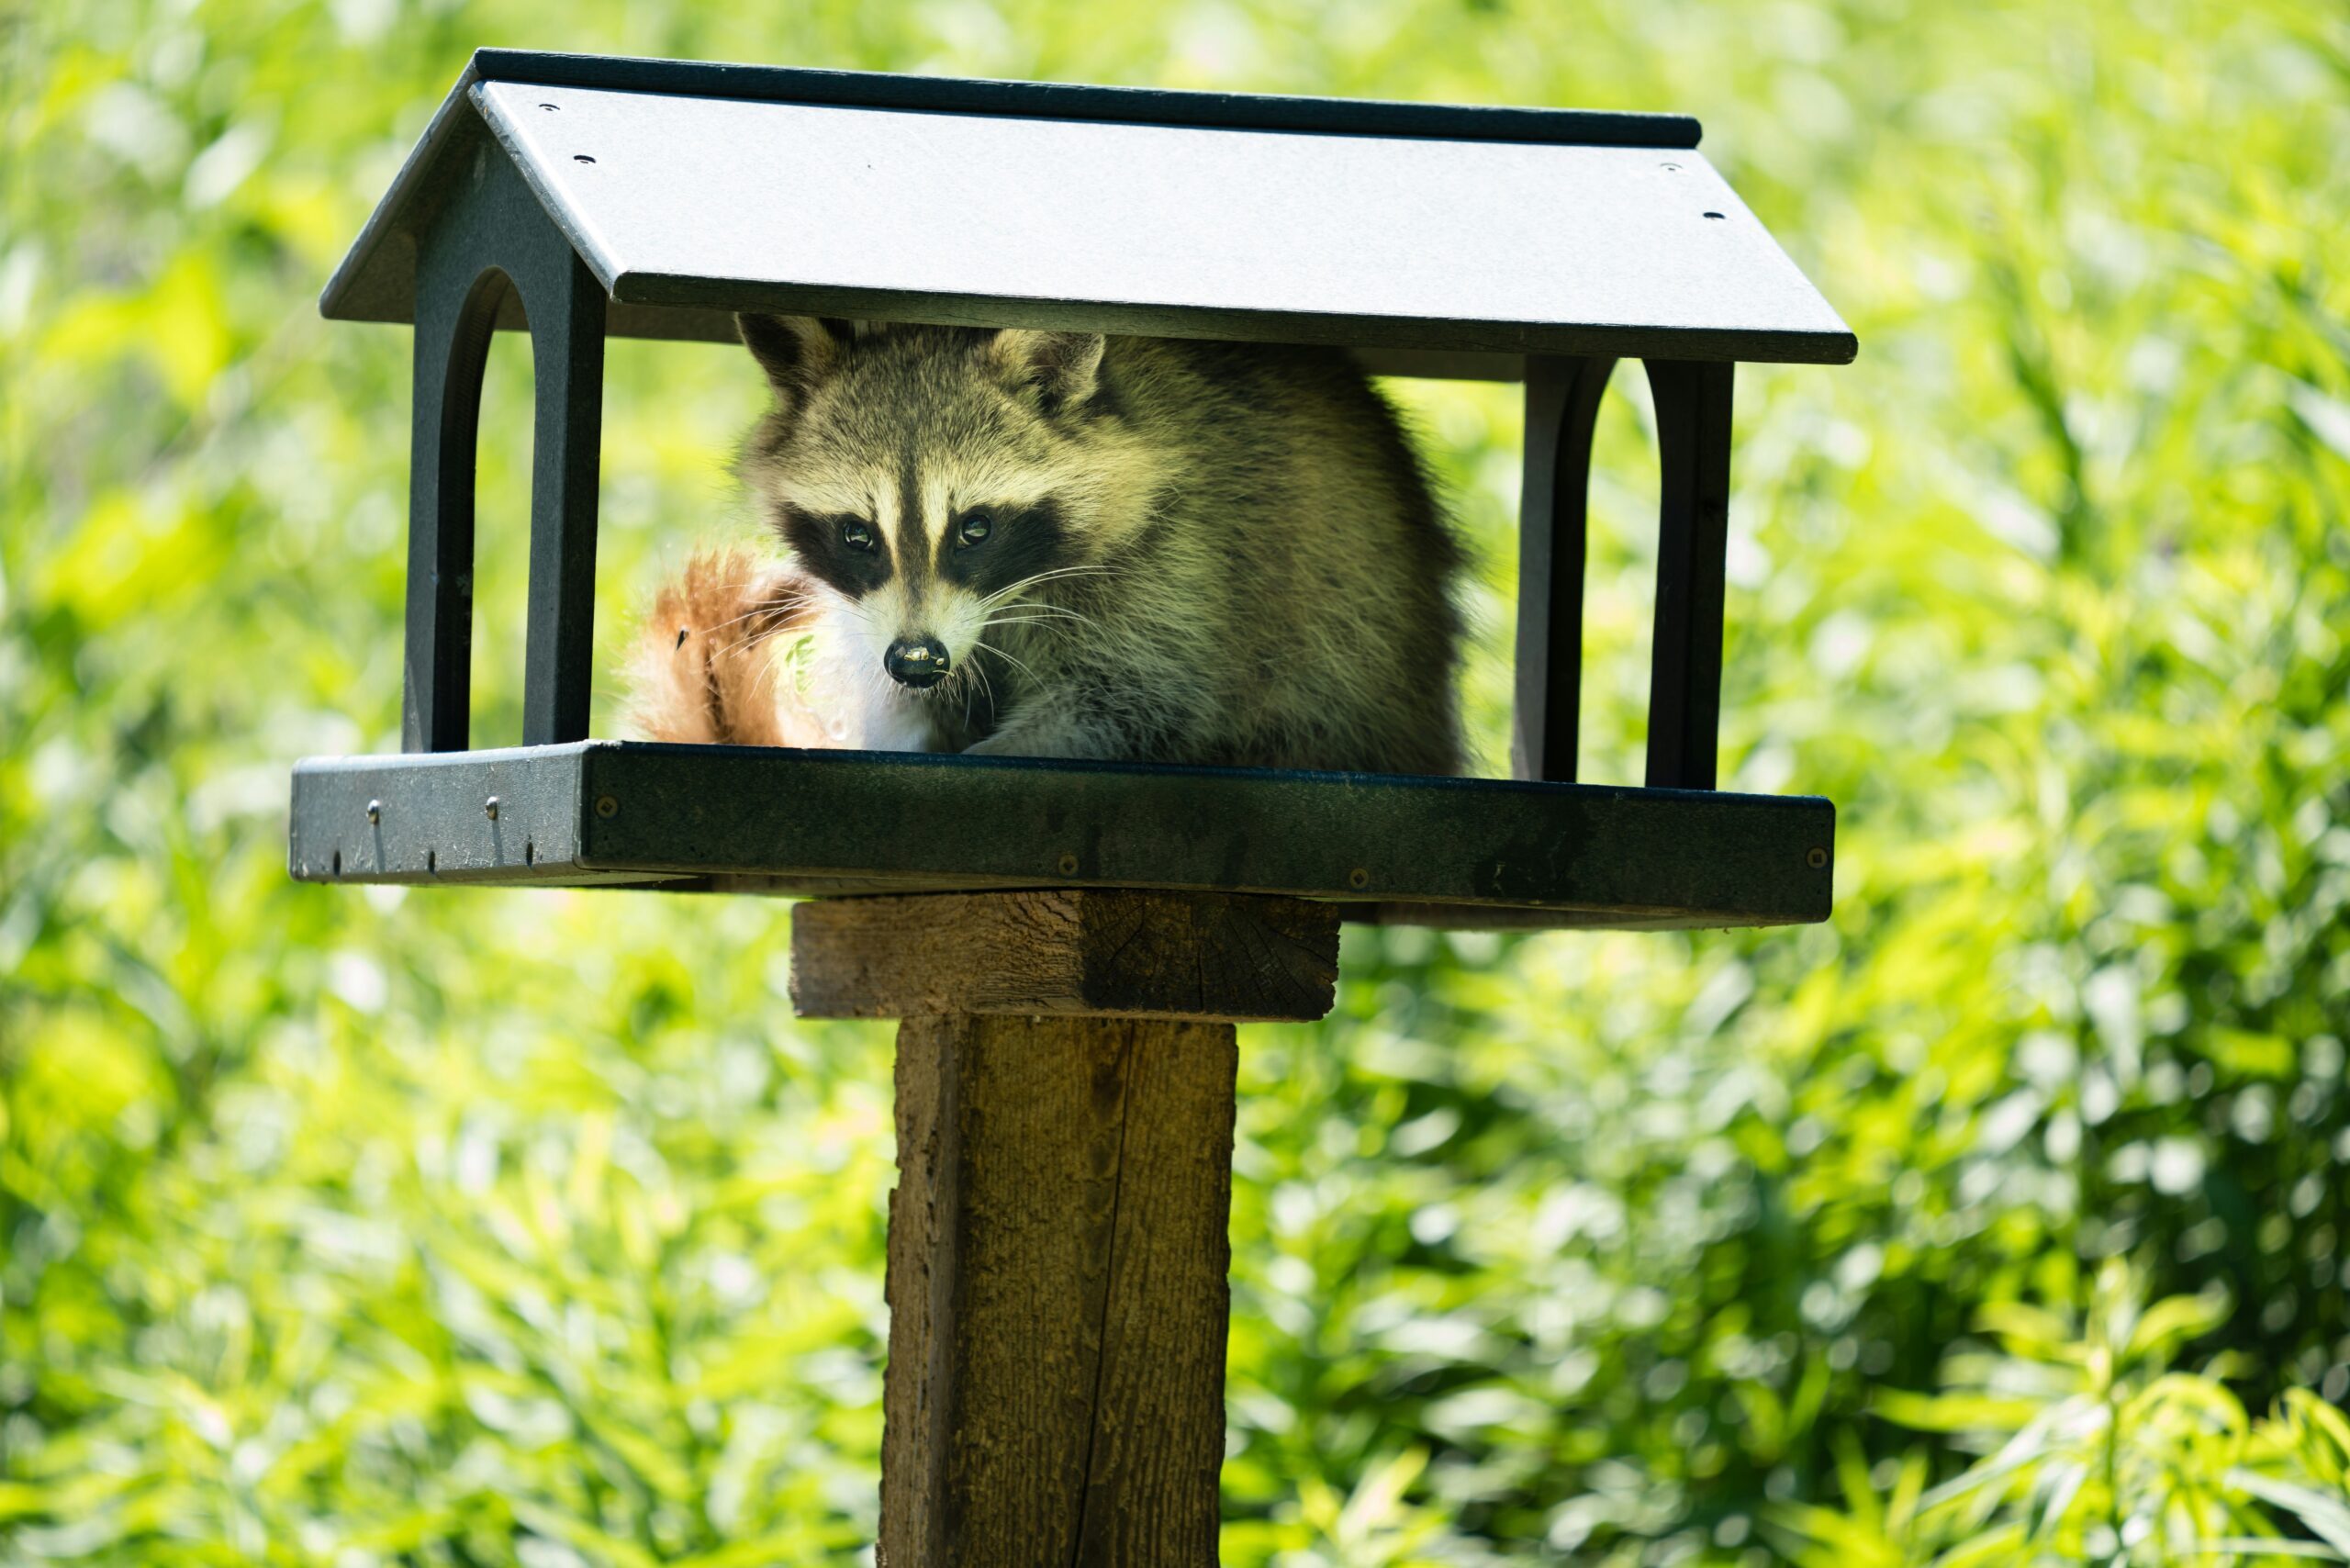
(693, 190)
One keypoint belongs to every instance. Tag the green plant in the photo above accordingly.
(336, 1228)
(2099, 1452)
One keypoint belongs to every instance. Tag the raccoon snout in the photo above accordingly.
(916, 662)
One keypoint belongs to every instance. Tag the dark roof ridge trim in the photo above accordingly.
(1062, 100)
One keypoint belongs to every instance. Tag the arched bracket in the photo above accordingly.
(1693, 405)
(1561, 410)
(492, 236)
(1693, 418)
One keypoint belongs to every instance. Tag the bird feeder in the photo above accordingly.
(1050, 927)
(579, 197)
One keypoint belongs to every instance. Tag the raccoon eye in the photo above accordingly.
(974, 529)
(857, 535)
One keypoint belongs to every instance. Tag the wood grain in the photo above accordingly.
(1057, 1292)
(1110, 953)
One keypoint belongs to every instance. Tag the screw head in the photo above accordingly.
(375, 811)
(1815, 857)
(606, 807)
(489, 808)
(1358, 878)
(1066, 864)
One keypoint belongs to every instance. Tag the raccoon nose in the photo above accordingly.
(916, 662)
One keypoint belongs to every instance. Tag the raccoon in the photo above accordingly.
(1059, 545)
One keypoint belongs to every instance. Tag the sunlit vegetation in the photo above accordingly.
(472, 1228)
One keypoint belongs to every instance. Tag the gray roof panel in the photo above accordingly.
(1400, 226)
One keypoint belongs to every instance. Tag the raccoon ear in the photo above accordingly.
(1065, 367)
(797, 352)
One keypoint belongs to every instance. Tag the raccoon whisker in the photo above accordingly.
(971, 677)
(765, 606)
(985, 685)
(729, 644)
(992, 624)
(1029, 610)
(1015, 664)
(1008, 619)
(759, 634)
(970, 690)
(1076, 569)
(1025, 621)
(745, 644)
(1058, 572)
(773, 607)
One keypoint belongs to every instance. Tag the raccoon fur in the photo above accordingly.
(1057, 545)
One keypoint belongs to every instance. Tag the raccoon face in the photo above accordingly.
(929, 477)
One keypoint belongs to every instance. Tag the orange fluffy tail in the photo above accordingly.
(707, 667)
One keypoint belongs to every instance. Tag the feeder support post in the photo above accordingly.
(1692, 428)
(1561, 409)
(454, 318)
(1058, 1239)
(489, 255)
(1693, 437)
(567, 354)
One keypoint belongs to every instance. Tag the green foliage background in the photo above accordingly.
(349, 1228)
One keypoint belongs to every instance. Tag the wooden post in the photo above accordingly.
(1058, 1238)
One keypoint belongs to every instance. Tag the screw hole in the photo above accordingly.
(1068, 865)
(1358, 878)
(1815, 857)
(606, 807)
(583, 158)
(1713, 215)
(1668, 168)
(338, 862)
(551, 107)
(530, 853)
(432, 862)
